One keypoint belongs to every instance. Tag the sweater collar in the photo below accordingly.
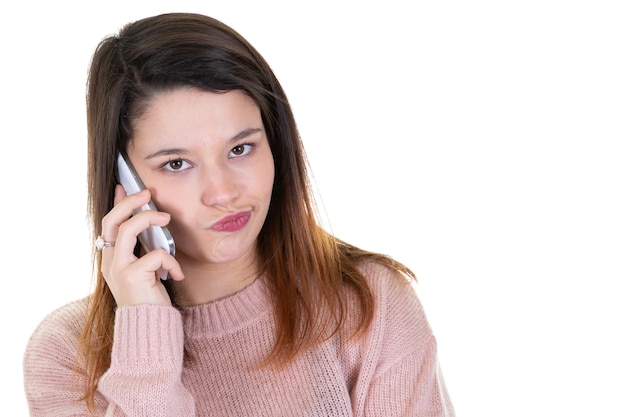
(228, 314)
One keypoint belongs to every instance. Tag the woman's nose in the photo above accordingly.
(219, 187)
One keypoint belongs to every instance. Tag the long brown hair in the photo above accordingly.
(308, 269)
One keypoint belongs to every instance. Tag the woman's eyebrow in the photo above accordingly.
(245, 133)
(180, 151)
(166, 152)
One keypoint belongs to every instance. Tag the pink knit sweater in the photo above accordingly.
(203, 361)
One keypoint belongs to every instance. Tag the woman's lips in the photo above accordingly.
(232, 223)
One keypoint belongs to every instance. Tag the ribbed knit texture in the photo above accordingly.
(204, 361)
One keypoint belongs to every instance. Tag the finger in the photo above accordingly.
(120, 213)
(160, 259)
(130, 229)
(123, 209)
(120, 194)
(137, 283)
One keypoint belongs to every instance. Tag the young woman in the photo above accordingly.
(264, 313)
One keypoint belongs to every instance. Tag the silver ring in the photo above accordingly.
(102, 244)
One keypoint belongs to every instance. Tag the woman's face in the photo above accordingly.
(206, 160)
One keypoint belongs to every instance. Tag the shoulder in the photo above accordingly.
(65, 321)
(399, 320)
(56, 337)
(397, 353)
(54, 377)
(391, 288)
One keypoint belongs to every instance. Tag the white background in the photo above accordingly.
(481, 142)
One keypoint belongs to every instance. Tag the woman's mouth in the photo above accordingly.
(232, 223)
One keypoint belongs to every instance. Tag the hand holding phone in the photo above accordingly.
(154, 236)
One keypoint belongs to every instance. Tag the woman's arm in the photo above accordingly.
(399, 374)
(413, 386)
(145, 374)
(146, 364)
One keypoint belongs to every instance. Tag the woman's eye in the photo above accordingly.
(240, 150)
(176, 165)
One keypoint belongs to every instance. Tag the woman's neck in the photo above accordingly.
(206, 282)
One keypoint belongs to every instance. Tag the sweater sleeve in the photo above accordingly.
(144, 378)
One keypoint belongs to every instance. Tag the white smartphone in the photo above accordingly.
(154, 236)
